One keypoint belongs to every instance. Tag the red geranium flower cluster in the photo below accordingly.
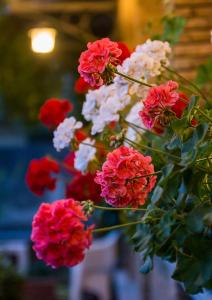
(125, 52)
(38, 176)
(59, 234)
(54, 111)
(95, 60)
(82, 87)
(162, 103)
(83, 187)
(124, 178)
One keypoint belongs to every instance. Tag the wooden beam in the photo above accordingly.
(23, 7)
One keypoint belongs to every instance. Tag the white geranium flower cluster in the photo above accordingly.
(84, 155)
(103, 105)
(145, 63)
(64, 133)
(134, 118)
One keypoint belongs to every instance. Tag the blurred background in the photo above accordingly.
(32, 71)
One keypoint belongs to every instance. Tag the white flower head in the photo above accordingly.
(84, 155)
(143, 64)
(102, 106)
(158, 50)
(64, 133)
(134, 118)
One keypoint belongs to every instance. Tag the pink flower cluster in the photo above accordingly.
(59, 234)
(123, 178)
(95, 60)
(162, 103)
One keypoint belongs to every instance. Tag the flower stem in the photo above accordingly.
(118, 208)
(139, 127)
(152, 149)
(132, 79)
(116, 226)
(188, 82)
(202, 112)
(198, 109)
(205, 158)
(147, 175)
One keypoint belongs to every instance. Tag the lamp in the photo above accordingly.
(42, 39)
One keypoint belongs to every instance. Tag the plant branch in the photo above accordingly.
(118, 208)
(188, 82)
(131, 79)
(116, 226)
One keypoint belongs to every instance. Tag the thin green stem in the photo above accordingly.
(202, 112)
(94, 146)
(142, 128)
(188, 82)
(205, 158)
(116, 226)
(204, 169)
(147, 175)
(198, 109)
(118, 208)
(132, 79)
(152, 149)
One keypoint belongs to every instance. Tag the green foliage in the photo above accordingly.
(10, 283)
(178, 221)
(173, 27)
(204, 72)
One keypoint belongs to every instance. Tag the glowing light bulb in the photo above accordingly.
(42, 39)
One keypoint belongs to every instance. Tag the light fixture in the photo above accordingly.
(42, 39)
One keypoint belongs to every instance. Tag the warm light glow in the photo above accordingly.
(42, 39)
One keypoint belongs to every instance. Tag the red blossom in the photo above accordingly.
(68, 163)
(180, 105)
(122, 179)
(125, 52)
(38, 176)
(59, 234)
(80, 135)
(54, 111)
(162, 103)
(94, 61)
(83, 187)
(81, 86)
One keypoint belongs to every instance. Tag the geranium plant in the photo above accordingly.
(145, 150)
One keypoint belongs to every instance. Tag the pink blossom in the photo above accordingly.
(59, 234)
(94, 61)
(122, 179)
(158, 105)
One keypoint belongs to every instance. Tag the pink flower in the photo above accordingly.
(59, 234)
(122, 179)
(94, 62)
(157, 111)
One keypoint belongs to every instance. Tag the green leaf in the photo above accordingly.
(189, 148)
(164, 228)
(192, 103)
(173, 28)
(147, 265)
(179, 126)
(181, 193)
(174, 144)
(156, 195)
(195, 219)
(142, 239)
(194, 264)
